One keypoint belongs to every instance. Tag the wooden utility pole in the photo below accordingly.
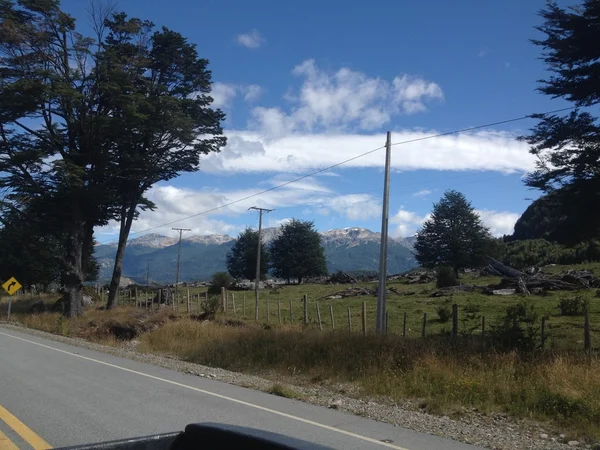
(257, 280)
(381, 289)
(181, 230)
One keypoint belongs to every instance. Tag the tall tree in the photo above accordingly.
(454, 235)
(568, 146)
(241, 259)
(297, 252)
(162, 119)
(50, 126)
(87, 125)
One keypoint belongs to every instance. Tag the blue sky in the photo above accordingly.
(308, 84)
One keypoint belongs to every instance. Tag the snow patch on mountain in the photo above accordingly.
(212, 239)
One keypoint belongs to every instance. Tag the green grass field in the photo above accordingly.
(562, 332)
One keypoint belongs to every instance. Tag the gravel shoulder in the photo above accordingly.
(494, 431)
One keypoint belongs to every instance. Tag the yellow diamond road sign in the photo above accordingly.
(12, 286)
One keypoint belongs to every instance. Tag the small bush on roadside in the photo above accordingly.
(446, 277)
(219, 280)
(571, 306)
(210, 306)
(518, 329)
(443, 313)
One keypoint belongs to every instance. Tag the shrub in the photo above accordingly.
(445, 277)
(571, 306)
(443, 313)
(210, 306)
(518, 329)
(220, 280)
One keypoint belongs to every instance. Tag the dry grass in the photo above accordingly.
(562, 389)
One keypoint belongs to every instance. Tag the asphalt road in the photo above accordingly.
(66, 395)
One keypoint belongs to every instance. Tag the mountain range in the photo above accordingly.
(155, 256)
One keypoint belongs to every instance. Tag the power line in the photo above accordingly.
(325, 169)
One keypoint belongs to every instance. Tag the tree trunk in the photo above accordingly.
(126, 221)
(73, 275)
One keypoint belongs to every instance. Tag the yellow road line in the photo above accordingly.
(23, 430)
(222, 397)
(6, 443)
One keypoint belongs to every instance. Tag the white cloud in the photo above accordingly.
(344, 99)
(422, 193)
(355, 206)
(407, 223)
(277, 222)
(223, 94)
(174, 204)
(252, 152)
(252, 39)
(252, 92)
(499, 222)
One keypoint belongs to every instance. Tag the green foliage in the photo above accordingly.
(114, 118)
(572, 306)
(567, 145)
(454, 235)
(219, 280)
(518, 329)
(540, 252)
(444, 313)
(445, 276)
(210, 306)
(297, 252)
(241, 259)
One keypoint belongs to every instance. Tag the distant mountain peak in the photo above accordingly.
(153, 240)
(209, 239)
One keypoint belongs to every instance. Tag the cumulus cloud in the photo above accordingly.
(252, 39)
(499, 222)
(174, 204)
(355, 206)
(343, 100)
(479, 151)
(223, 94)
(407, 223)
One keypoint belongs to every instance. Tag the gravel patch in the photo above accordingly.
(493, 431)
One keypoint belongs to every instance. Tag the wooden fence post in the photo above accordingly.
(233, 304)
(319, 317)
(223, 300)
(404, 326)
(364, 318)
(387, 319)
(188, 302)
(424, 324)
(454, 321)
(349, 320)
(587, 338)
(268, 310)
(159, 295)
(279, 309)
(305, 309)
(291, 312)
(543, 331)
(137, 301)
(244, 306)
(483, 330)
(331, 314)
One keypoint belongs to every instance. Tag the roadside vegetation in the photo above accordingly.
(559, 386)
